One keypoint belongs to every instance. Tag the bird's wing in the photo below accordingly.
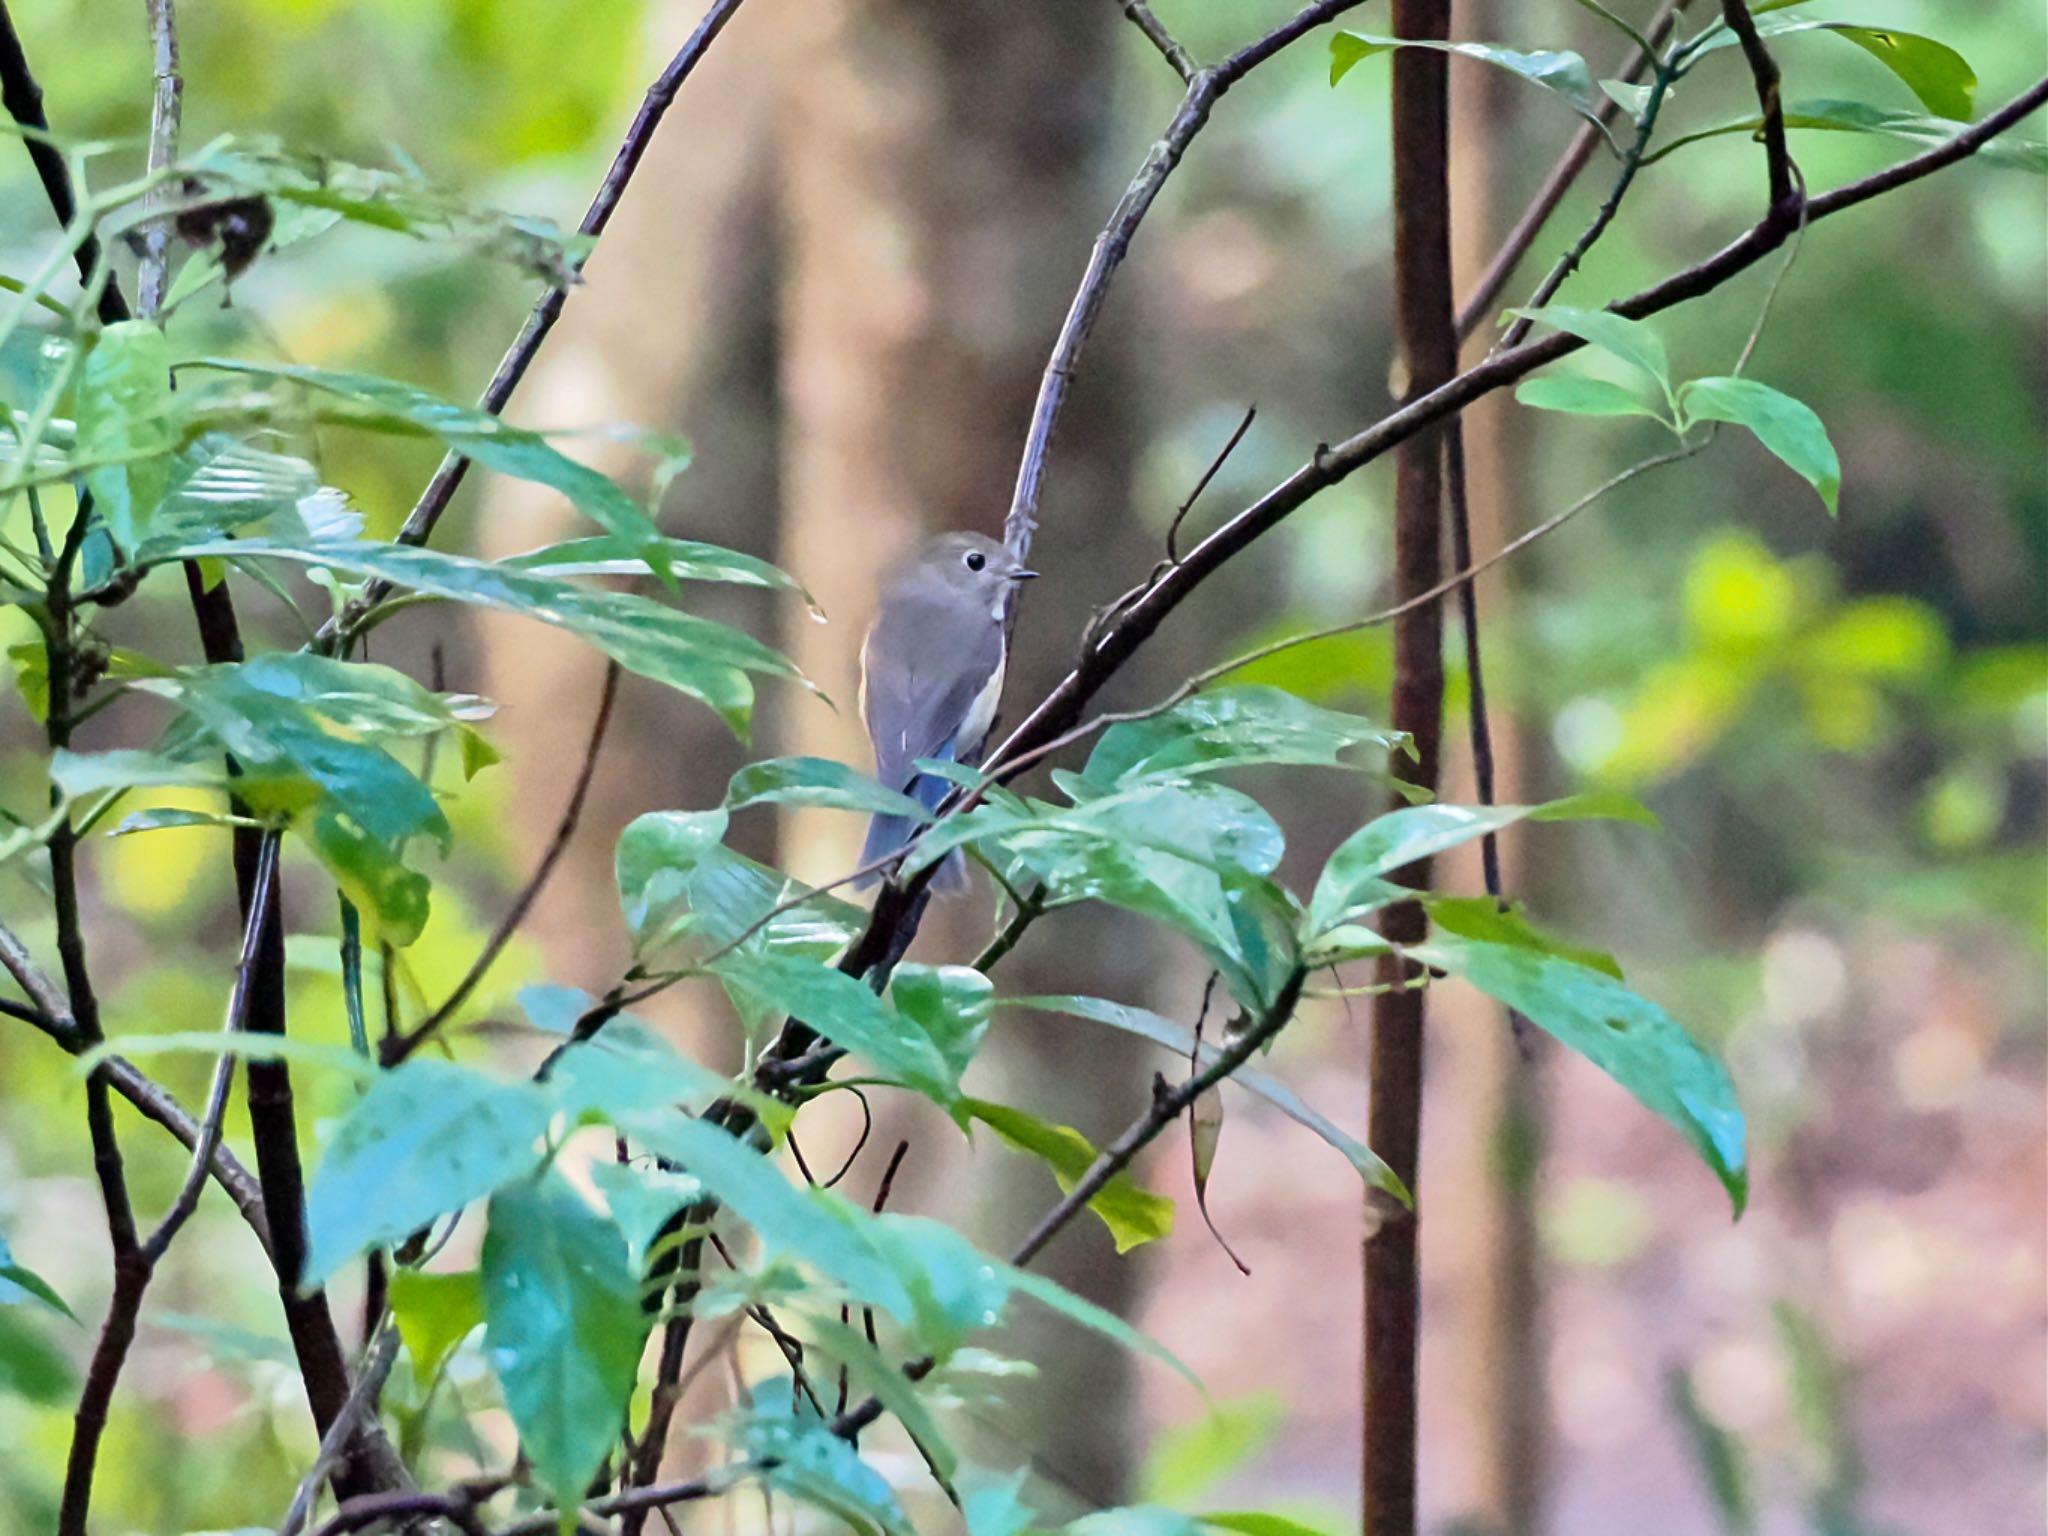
(919, 680)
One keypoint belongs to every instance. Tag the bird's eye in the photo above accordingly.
(976, 560)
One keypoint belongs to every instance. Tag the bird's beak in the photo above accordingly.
(1023, 575)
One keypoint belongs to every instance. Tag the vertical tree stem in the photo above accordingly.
(1426, 323)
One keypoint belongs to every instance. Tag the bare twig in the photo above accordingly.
(23, 98)
(1156, 34)
(224, 1070)
(396, 1048)
(362, 1400)
(1215, 467)
(1763, 69)
(165, 114)
(426, 512)
(30, 977)
(1205, 88)
(1578, 154)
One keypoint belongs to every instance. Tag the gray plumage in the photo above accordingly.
(931, 671)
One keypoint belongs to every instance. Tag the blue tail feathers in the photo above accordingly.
(889, 834)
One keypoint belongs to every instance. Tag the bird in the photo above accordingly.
(931, 670)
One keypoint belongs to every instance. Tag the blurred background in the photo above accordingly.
(838, 275)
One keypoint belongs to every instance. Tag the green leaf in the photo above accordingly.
(1717, 1453)
(243, 1047)
(435, 1313)
(124, 415)
(779, 1428)
(1489, 920)
(31, 1367)
(847, 1013)
(1256, 1522)
(1934, 72)
(1628, 1037)
(486, 439)
(428, 1138)
(952, 1004)
(1917, 128)
(812, 1225)
(164, 818)
(898, 1394)
(995, 1507)
(1560, 72)
(1190, 853)
(1630, 340)
(686, 559)
(219, 483)
(1164, 1032)
(817, 781)
(19, 1283)
(685, 896)
(627, 1066)
(1229, 728)
(1786, 426)
(696, 656)
(642, 1201)
(370, 874)
(1186, 1461)
(1578, 395)
(1359, 877)
(1133, 1214)
(563, 1327)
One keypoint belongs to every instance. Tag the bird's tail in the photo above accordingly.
(891, 834)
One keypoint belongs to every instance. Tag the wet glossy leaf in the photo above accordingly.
(1164, 1032)
(696, 656)
(488, 440)
(563, 1327)
(817, 781)
(428, 1138)
(1782, 424)
(1630, 1038)
(1359, 877)
(220, 483)
(1561, 72)
(1234, 727)
(812, 1225)
(1133, 1214)
(687, 560)
(627, 1066)
(847, 1013)
(124, 416)
(952, 1004)
(1933, 71)
(779, 1426)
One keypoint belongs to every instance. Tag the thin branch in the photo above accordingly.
(1156, 34)
(426, 512)
(23, 97)
(1205, 88)
(166, 110)
(362, 1400)
(1216, 464)
(30, 977)
(1578, 154)
(1481, 728)
(405, 1507)
(396, 1048)
(224, 1070)
(1116, 643)
(1763, 70)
